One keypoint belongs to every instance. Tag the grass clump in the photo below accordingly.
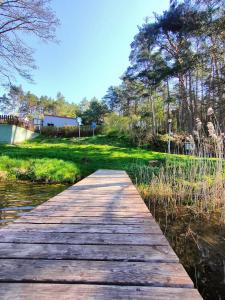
(44, 170)
(55, 170)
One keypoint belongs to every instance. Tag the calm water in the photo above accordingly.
(19, 197)
(200, 246)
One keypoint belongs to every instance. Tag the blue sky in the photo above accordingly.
(95, 37)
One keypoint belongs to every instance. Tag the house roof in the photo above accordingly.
(60, 117)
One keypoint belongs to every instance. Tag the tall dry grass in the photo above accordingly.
(197, 182)
(194, 183)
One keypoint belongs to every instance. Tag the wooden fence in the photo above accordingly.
(14, 120)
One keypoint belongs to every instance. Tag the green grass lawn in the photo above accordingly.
(68, 160)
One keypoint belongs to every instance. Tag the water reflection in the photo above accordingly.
(19, 197)
(200, 246)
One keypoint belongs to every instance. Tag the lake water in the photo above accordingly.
(20, 197)
(200, 245)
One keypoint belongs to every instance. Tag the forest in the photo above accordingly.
(176, 75)
(26, 104)
(176, 70)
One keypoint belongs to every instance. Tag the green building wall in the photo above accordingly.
(12, 134)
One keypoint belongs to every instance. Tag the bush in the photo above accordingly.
(115, 125)
(69, 131)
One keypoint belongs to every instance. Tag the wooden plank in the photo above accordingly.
(128, 199)
(7, 236)
(88, 252)
(105, 181)
(95, 205)
(152, 228)
(99, 209)
(98, 272)
(39, 291)
(95, 202)
(101, 172)
(80, 196)
(106, 214)
(115, 198)
(83, 220)
(101, 192)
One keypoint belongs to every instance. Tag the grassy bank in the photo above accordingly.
(69, 159)
(185, 194)
(174, 181)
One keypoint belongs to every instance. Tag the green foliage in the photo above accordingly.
(112, 98)
(43, 169)
(29, 105)
(55, 170)
(94, 113)
(116, 125)
(69, 131)
(136, 129)
(176, 69)
(67, 160)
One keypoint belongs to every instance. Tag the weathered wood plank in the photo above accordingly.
(99, 209)
(111, 197)
(101, 194)
(83, 220)
(98, 272)
(80, 196)
(38, 291)
(106, 214)
(93, 203)
(101, 190)
(7, 236)
(151, 228)
(88, 252)
(92, 206)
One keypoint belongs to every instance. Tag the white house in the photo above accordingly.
(59, 121)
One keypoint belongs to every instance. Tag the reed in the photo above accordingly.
(198, 182)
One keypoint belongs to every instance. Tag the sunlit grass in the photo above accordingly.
(67, 160)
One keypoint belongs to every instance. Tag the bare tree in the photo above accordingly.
(19, 18)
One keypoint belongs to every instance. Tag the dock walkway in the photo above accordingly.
(96, 240)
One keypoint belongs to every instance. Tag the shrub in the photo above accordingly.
(69, 131)
(115, 125)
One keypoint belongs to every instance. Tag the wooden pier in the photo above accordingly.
(96, 240)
